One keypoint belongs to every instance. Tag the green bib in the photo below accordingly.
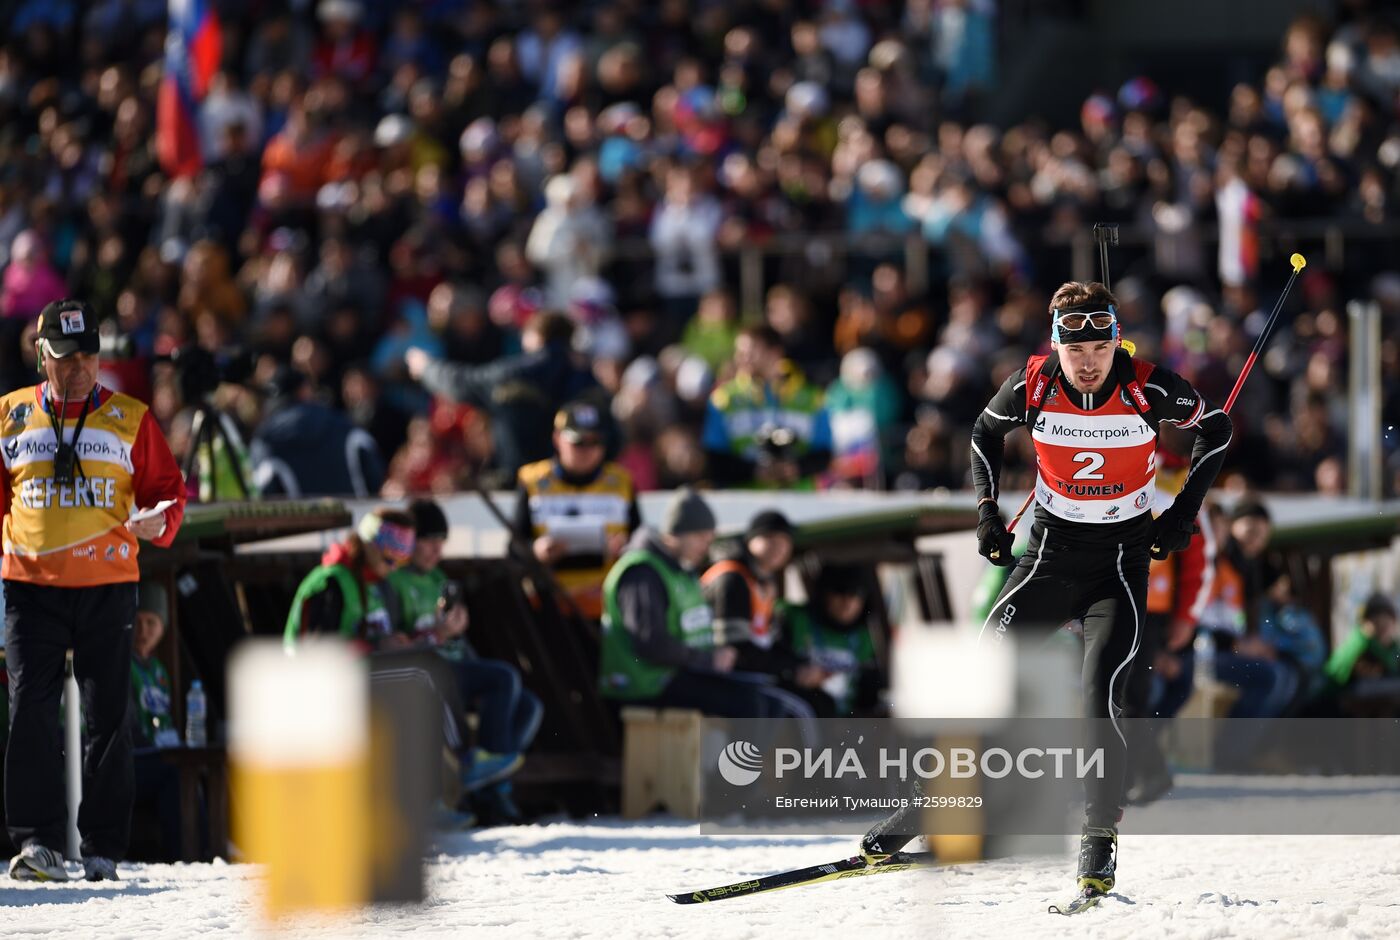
(150, 687)
(842, 653)
(418, 593)
(621, 673)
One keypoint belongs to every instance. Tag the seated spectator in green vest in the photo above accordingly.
(659, 645)
(1371, 651)
(767, 426)
(832, 655)
(344, 597)
(157, 783)
(427, 611)
(341, 596)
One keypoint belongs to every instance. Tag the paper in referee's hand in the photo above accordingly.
(151, 513)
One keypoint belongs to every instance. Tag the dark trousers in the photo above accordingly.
(725, 696)
(41, 624)
(509, 713)
(1106, 590)
(158, 786)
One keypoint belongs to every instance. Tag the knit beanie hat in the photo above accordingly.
(687, 512)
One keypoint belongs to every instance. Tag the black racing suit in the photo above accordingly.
(1093, 573)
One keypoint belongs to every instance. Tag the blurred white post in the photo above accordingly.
(1364, 433)
(72, 754)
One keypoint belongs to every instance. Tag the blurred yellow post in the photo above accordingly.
(299, 756)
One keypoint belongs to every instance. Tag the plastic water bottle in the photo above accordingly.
(196, 716)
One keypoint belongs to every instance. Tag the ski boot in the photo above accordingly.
(1098, 858)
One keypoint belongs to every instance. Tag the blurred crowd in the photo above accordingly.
(554, 201)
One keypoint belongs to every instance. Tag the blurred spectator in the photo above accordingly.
(660, 648)
(427, 610)
(577, 510)
(766, 426)
(1371, 650)
(346, 50)
(683, 233)
(305, 448)
(30, 280)
(876, 205)
(712, 331)
(828, 638)
(863, 407)
(153, 720)
(226, 106)
(207, 285)
(29, 284)
(1293, 632)
(1244, 658)
(743, 588)
(521, 393)
(570, 238)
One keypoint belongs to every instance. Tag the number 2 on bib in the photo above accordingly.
(1092, 461)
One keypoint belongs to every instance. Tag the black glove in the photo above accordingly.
(993, 541)
(1172, 531)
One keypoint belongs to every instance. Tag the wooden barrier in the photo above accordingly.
(661, 761)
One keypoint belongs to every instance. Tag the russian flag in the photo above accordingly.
(193, 50)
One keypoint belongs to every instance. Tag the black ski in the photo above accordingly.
(854, 867)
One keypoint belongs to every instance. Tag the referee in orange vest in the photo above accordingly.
(79, 462)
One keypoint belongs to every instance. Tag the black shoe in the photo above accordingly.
(1098, 858)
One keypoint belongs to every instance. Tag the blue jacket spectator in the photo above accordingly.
(305, 448)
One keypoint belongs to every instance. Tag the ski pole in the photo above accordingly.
(1299, 263)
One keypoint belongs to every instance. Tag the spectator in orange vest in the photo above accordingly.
(743, 588)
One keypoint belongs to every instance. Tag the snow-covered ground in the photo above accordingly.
(608, 879)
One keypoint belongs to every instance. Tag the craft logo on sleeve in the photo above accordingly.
(71, 322)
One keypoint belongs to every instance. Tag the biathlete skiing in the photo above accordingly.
(1093, 411)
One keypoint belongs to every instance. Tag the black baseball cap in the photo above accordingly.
(580, 422)
(69, 326)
